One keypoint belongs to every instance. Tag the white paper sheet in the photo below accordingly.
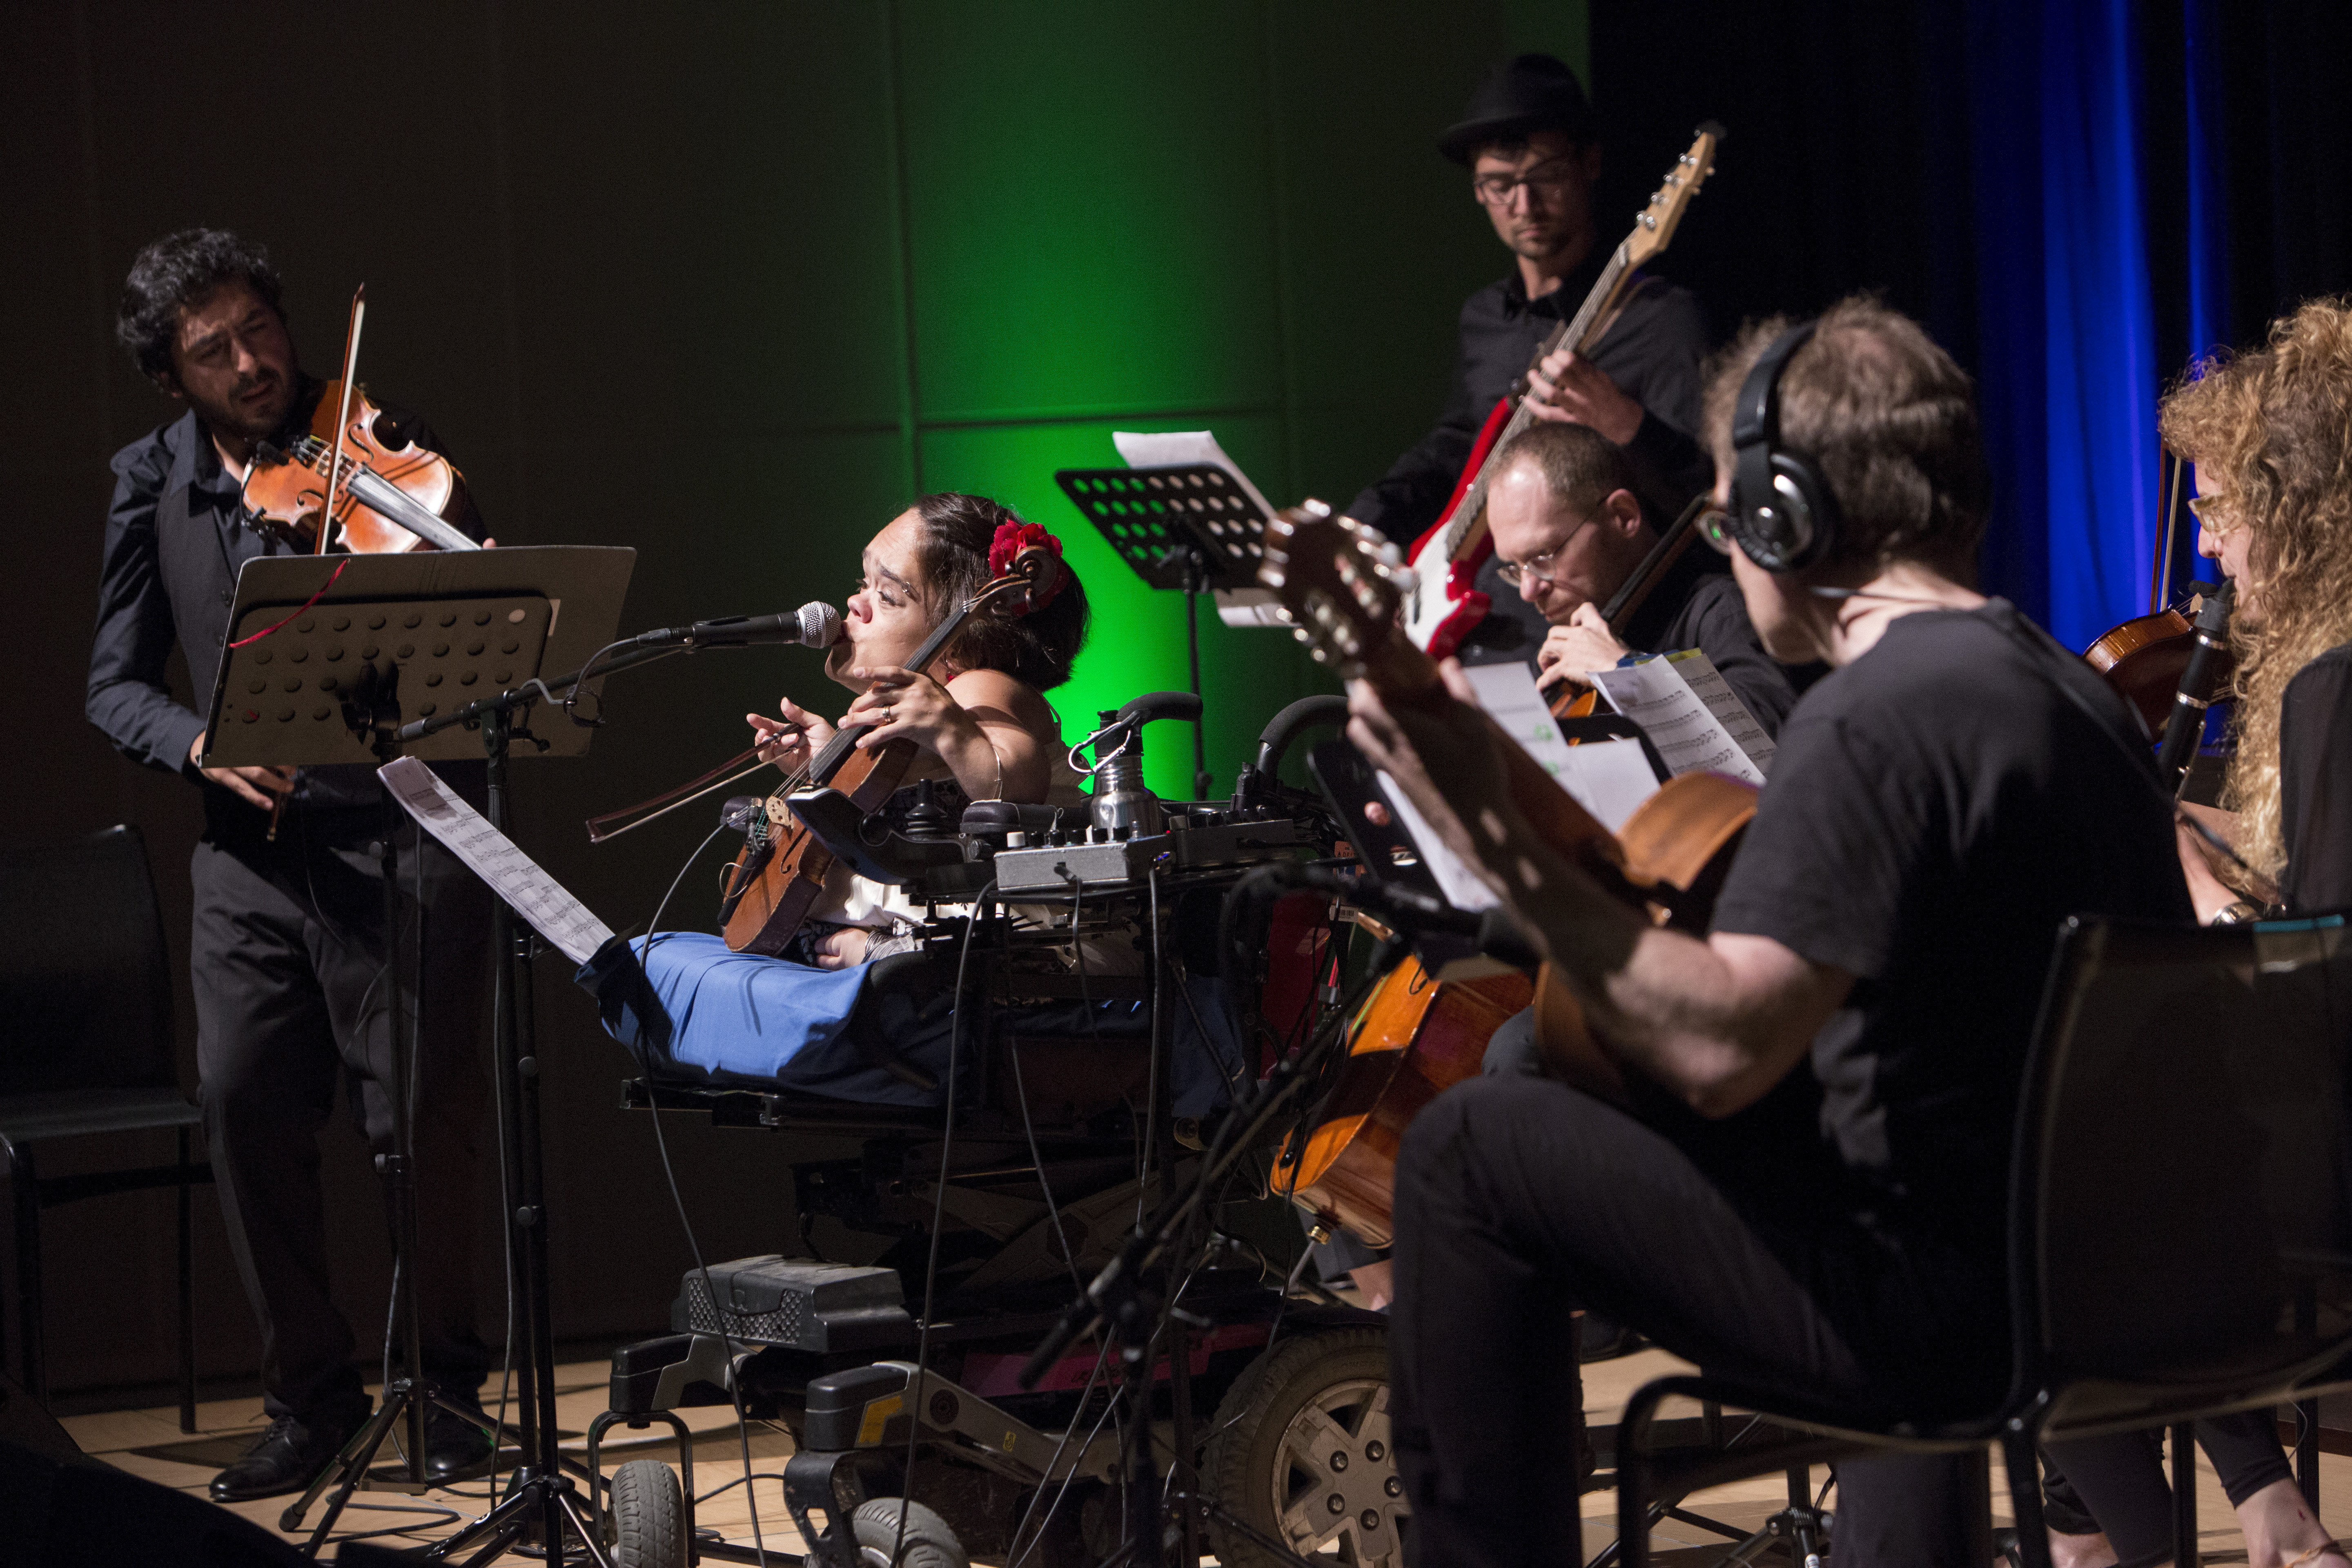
(1460, 884)
(1724, 703)
(1691, 739)
(1609, 779)
(494, 858)
(1604, 780)
(1167, 448)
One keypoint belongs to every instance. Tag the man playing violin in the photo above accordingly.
(1789, 1163)
(287, 954)
(1531, 141)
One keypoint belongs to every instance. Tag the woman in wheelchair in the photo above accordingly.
(978, 714)
(805, 1021)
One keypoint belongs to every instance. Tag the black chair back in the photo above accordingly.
(2184, 1186)
(85, 982)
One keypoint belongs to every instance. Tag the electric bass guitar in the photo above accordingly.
(1443, 606)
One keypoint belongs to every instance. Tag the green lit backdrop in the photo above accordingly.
(732, 284)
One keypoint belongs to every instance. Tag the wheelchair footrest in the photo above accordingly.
(667, 1373)
(796, 1302)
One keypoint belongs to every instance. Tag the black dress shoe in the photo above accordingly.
(457, 1447)
(1602, 1339)
(285, 1458)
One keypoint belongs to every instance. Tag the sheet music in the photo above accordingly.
(512, 875)
(1460, 884)
(1604, 780)
(1722, 701)
(1654, 695)
(1169, 449)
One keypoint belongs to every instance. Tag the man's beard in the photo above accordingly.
(234, 418)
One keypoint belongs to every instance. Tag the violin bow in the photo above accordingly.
(343, 411)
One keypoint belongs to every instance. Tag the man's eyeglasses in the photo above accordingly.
(1539, 567)
(1550, 177)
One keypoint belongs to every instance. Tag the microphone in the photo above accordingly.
(814, 624)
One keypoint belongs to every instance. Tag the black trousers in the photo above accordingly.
(2117, 1484)
(287, 959)
(1733, 1244)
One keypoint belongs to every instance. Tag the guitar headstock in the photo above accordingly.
(1344, 584)
(1655, 228)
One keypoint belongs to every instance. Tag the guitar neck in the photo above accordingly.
(1578, 330)
(1406, 677)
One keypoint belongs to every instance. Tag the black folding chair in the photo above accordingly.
(2180, 1223)
(86, 1004)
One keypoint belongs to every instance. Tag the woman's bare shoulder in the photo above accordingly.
(1008, 696)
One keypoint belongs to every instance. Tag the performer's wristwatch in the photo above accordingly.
(2236, 914)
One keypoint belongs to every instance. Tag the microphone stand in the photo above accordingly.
(1126, 1298)
(543, 1500)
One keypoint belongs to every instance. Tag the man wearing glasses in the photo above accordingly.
(1569, 532)
(1530, 142)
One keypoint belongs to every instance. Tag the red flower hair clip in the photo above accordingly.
(1012, 538)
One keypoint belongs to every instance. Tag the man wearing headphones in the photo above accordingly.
(1800, 1181)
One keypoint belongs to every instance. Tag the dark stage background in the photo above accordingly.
(729, 284)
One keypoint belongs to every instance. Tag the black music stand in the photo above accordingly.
(1186, 526)
(339, 653)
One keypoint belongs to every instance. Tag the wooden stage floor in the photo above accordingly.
(148, 1443)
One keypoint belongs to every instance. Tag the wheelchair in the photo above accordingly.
(1072, 1117)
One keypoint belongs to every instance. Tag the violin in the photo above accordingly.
(778, 876)
(1574, 701)
(2168, 666)
(2145, 657)
(386, 500)
(1414, 1039)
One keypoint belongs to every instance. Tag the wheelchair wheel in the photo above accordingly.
(929, 1543)
(1301, 1452)
(648, 1516)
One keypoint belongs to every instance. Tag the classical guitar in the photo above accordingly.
(1441, 606)
(1344, 587)
(781, 870)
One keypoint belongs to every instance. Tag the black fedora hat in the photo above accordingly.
(1530, 93)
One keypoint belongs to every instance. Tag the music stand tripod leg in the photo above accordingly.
(543, 1500)
(408, 1396)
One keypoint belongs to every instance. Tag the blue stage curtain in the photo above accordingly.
(2098, 324)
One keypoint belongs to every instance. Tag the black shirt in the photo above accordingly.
(2316, 786)
(1654, 352)
(1695, 604)
(1935, 809)
(175, 536)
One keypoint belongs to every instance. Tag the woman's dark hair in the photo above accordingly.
(180, 269)
(1038, 648)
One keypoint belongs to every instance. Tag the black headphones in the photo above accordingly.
(1783, 516)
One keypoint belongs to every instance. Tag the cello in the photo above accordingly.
(1574, 701)
(1341, 584)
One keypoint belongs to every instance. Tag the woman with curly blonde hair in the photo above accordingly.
(2271, 433)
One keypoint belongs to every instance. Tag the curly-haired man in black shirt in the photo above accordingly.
(286, 954)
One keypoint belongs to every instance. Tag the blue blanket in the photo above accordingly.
(682, 997)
